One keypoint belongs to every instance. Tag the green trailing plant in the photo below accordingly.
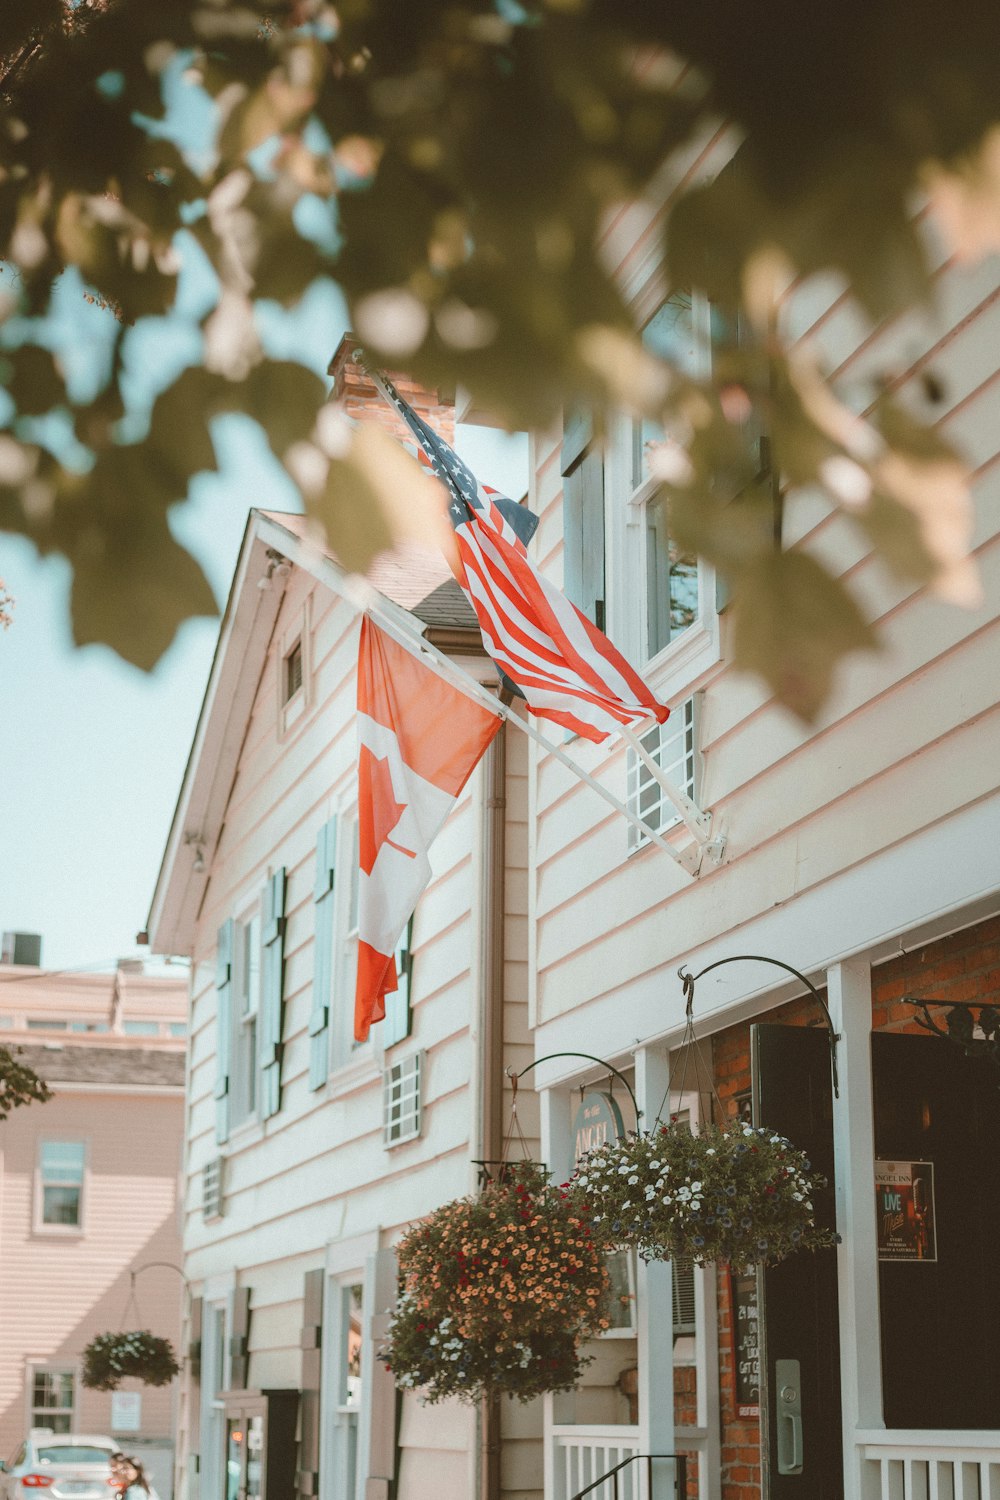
(735, 1193)
(111, 1357)
(497, 1294)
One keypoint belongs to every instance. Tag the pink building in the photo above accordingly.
(89, 1193)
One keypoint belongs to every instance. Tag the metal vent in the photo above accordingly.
(401, 1100)
(674, 747)
(211, 1189)
(683, 1285)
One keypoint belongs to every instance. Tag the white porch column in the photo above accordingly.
(557, 1152)
(654, 1306)
(850, 1001)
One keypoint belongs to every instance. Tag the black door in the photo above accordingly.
(800, 1338)
(937, 1145)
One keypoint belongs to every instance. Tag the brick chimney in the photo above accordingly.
(359, 399)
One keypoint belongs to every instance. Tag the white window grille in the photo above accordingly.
(52, 1393)
(401, 1100)
(211, 1189)
(674, 746)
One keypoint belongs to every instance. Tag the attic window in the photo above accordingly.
(293, 671)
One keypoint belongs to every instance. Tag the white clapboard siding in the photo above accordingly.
(906, 743)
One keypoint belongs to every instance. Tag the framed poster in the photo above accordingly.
(746, 1346)
(904, 1202)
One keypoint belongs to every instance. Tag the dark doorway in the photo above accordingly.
(937, 1122)
(800, 1338)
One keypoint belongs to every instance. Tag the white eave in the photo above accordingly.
(244, 637)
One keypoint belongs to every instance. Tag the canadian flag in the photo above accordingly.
(419, 742)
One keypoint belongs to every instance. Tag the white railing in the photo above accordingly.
(583, 1454)
(930, 1466)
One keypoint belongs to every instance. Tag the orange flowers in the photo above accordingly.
(491, 1293)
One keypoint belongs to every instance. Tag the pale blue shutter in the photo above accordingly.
(223, 1026)
(271, 981)
(396, 1026)
(323, 911)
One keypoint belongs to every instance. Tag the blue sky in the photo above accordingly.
(93, 750)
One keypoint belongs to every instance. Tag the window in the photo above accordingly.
(141, 1028)
(211, 1188)
(401, 1100)
(245, 1013)
(88, 1026)
(52, 1398)
(679, 331)
(61, 1169)
(214, 1380)
(293, 671)
(47, 1025)
(674, 748)
(178, 1028)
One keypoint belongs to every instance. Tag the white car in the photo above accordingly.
(59, 1466)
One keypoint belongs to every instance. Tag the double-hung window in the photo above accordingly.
(245, 1018)
(680, 331)
(52, 1393)
(346, 945)
(59, 1203)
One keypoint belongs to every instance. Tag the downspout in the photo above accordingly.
(494, 856)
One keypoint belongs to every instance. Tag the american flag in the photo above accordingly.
(549, 653)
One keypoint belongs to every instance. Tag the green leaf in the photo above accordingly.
(792, 625)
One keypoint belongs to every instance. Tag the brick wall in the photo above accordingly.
(359, 398)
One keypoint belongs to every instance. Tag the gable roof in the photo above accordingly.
(414, 591)
(143, 1067)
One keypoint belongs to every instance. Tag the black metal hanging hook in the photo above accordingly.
(689, 980)
(550, 1056)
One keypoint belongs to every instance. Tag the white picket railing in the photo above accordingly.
(930, 1466)
(583, 1454)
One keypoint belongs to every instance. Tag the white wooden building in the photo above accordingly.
(307, 1155)
(864, 851)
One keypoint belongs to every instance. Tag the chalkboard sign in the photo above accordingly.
(746, 1349)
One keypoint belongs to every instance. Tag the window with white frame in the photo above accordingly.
(401, 1103)
(59, 1199)
(214, 1380)
(674, 747)
(294, 669)
(52, 1397)
(245, 1018)
(679, 332)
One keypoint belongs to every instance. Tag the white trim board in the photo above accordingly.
(939, 880)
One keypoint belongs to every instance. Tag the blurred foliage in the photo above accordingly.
(19, 1084)
(473, 151)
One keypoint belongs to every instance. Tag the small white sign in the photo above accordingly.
(126, 1411)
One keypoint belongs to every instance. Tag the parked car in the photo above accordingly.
(59, 1466)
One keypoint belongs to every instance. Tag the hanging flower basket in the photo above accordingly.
(109, 1358)
(497, 1293)
(736, 1193)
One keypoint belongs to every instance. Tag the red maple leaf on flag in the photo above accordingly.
(378, 810)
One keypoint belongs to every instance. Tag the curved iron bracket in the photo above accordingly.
(550, 1056)
(689, 980)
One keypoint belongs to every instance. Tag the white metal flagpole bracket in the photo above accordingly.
(710, 845)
